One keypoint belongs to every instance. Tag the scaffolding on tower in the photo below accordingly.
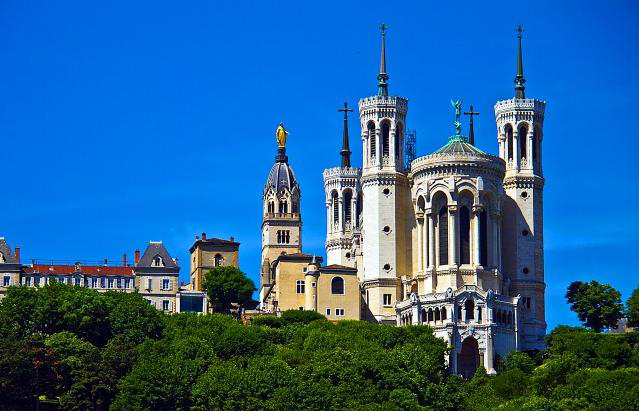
(410, 148)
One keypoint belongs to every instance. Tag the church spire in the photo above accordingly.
(382, 77)
(346, 151)
(519, 77)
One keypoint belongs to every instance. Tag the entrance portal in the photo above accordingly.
(469, 358)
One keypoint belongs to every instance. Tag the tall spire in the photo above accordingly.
(346, 151)
(519, 77)
(382, 77)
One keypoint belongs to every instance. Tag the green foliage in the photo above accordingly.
(517, 360)
(226, 285)
(632, 308)
(598, 306)
(137, 358)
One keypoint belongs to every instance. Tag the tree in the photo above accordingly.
(227, 285)
(632, 309)
(598, 306)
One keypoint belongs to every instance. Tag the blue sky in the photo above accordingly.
(123, 122)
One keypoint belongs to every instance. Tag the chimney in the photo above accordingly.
(124, 260)
(203, 236)
(232, 239)
(17, 253)
(106, 261)
(181, 284)
(137, 256)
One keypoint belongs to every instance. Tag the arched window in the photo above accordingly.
(279, 237)
(335, 205)
(372, 138)
(348, 200)
(398, 141)
(219, 260)
(424, 315)
(385, 139)
(522, 136)
(498, 316)
(464, 235)
(483, 239)
(283, 207)
(430, 314)
(443, 311)
(442, 227)
(469, 305)
(337, 285)
(271, 207)
(294, 208)
(437, 315)
(509, 141)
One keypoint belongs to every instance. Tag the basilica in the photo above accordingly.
(452, 239)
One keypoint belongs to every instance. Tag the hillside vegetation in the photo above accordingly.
(74, 348)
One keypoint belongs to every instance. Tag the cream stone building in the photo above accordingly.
(453, 239)
(208, 253)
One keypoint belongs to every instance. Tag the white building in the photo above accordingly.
(454, 239)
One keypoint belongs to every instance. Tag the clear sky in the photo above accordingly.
(123, 122)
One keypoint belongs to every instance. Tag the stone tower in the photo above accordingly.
(343, 206)
(386, 246)
(520, 123)
(282, 220)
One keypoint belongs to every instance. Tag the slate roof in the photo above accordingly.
(154, 249)
(281, 176)
(9, 258)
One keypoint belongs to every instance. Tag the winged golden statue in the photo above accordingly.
(280, 135)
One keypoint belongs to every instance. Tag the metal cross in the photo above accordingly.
(519, 30)
(383, 28)
(471, 113)
(345, 110)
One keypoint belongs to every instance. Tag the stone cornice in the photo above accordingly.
(385, 178)
(521, 181)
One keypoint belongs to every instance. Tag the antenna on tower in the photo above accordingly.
(410, 147)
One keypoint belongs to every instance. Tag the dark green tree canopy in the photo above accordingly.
(226, 285)
(598, 306)
(632, 308)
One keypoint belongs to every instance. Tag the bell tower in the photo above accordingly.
(386, 246)
(343, 206)
(520, 122)
(281, 217)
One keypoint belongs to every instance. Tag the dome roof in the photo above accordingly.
(281, 175)
(458, 144)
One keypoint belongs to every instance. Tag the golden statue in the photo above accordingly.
(280, 135)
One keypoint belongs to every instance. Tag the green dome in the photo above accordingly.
(458, 144)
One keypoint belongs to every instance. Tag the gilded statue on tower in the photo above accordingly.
(280, 135)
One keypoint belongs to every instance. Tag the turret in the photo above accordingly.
(520, 124)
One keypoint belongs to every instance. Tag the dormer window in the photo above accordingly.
(157, 261)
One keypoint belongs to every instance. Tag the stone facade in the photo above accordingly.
(208, 253)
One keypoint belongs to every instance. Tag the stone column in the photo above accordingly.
(488, 359)
(529, 149)
(420, 242)
(452, 236)
(353, 210)
(476, 236)
(340, 227)
(431, 241)
(499, 245)
(329, 219)
(378, 146)
(516, 148)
